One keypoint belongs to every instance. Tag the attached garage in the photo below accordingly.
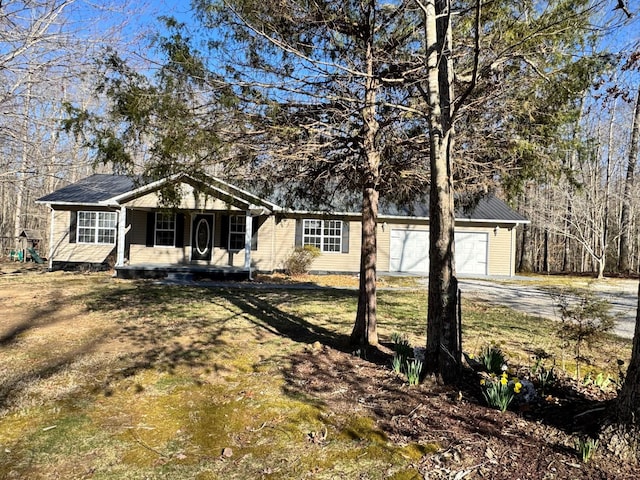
(409, 252)
(471, 253)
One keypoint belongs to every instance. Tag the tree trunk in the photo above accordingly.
(365, 331)
(443, 349)
(628, 401)
(526, 247)
(526, 250)
(545, 266)
(625, 216)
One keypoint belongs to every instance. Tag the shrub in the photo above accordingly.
(499, 392)
(585, 319)
(401, 345)
(301, 259)
(492, 358)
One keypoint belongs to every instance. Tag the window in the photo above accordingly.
(165, 230)
(97, 227)
(237, 229)
(324, 234)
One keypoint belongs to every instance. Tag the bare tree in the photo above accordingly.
(625, 217)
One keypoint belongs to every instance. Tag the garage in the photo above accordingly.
(409, 252)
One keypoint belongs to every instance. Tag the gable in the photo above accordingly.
(190, 199)
(119, 190)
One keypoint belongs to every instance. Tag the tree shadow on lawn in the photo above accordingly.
(162, 328)
(154, 316)
(264, 311)
(47, 363)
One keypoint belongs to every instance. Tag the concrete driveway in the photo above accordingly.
(522, 294)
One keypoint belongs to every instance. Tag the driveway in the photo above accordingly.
(522, 295)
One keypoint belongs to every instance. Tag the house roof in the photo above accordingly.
(113, 190)
(488, 209)
(92, 190)
(104, 189)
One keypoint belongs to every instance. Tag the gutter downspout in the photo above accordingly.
(51, 233)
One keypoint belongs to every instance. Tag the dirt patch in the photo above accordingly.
(473, 441)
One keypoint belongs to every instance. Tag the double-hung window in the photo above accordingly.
(165, 229)
(323, 234)
(97, 227)
(237, 230)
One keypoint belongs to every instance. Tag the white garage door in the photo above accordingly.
(410, 252)
(471, 253)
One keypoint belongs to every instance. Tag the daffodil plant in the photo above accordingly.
(500, 392)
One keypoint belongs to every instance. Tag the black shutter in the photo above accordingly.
(151, 229)
(180, 230)
(223, 241)
(73, 223)
(345, 237)
(298, 232)
(255, 225)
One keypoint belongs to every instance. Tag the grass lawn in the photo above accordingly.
(101, 378)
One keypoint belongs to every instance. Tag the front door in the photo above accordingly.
(202, 237)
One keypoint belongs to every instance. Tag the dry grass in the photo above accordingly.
(110, 379)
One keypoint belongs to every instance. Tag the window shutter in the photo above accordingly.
(180, 230)
(255, 225)
(223, 241)
(345, 237)
(151, 228)
(73, 223)
(299, 232)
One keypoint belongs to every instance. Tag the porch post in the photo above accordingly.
(247, 240)
(122, 220)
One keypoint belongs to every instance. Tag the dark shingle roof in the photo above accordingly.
(100, 187)
(90, 190)
(487, 208)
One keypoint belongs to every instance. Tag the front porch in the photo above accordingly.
(182, 272)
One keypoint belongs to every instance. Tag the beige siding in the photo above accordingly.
(190, 200)
(281, 244)
(64, 251)
(139, 253)
(501, 244)
(276, 241)
(500, 251)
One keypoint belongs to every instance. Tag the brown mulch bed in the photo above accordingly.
(535, 441)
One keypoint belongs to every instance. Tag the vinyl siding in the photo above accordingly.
(190, 200)
(64, 251)
(139, 253)
(276, 242)
(502, 251)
